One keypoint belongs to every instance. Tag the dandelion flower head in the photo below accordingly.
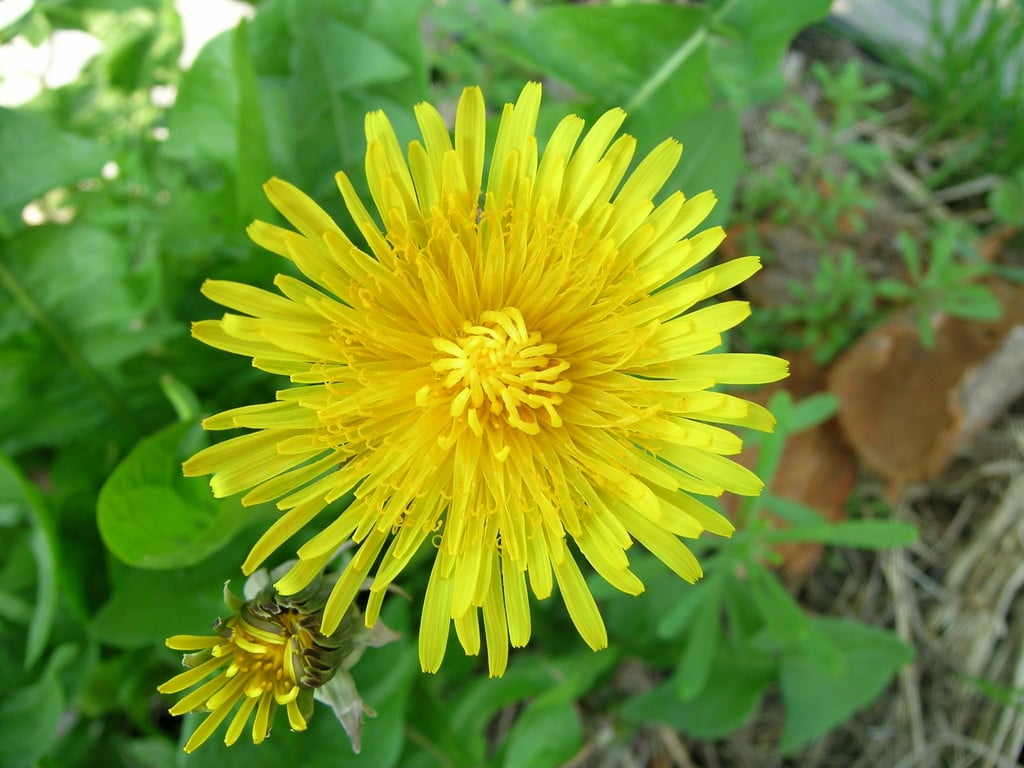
(268, 654)
(513, 372)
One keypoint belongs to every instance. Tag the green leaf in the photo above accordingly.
(202, 122)
(147, 606)
(28, 721)
(152, 517)
(817, 697)
(1007, 199)
(378, 63)
(253, 163)
(331, 87)
(862, 534)
(547, 733)
(475, 707)
(20, 499)
(793, 511)
(1005, 695)
(812, 411)
(975, 302)
(39, 157)
(712, 152)
(150, 752)
(705, 638)
(682, 610)
(650, 54)
(750, 40)
(782, 615)
(62, 340)
(736, 683)
(435, 731)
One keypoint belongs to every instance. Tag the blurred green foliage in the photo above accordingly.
(107, 549)
(826, 190)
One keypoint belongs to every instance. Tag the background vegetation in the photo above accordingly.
(116, 202)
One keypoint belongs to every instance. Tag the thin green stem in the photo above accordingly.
(671, 64)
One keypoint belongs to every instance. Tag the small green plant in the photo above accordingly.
(945, 280)
(823, 191)
(969, 79)
(1007, 199)
(824, 316)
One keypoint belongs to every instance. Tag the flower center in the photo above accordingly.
(498, 370)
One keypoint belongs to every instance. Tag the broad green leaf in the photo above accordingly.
(150, 752)
(545, 734)
(475, 707)
(736, 681)
(347, 59)
(705, 637)
(147, 606)
(38, 156)
(152, 517)
(70, 315)
(862, 534)
(749, 41)
(30, 715)
(817, 697)
(434, 729)
(712, 152)
(652, 56)
(203, 121)
(379, 63)
(19, 499)
(1007, 199)
(29, 718)
(783, 617)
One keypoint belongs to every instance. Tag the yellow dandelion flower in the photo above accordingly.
(270, 653)
(513, 373)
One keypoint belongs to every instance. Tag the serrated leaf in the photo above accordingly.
(331, 87)
(152, 517)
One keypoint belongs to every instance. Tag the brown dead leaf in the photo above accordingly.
(907, 410)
